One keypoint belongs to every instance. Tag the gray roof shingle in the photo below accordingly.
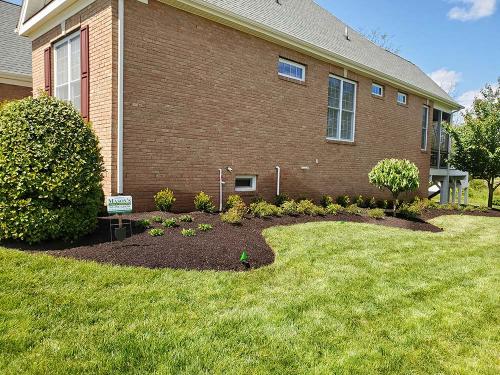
(15, 50)
(307, 21)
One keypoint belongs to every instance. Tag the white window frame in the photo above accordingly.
(403, 95)
(292, 63)
(341, 109)
(66, 39)
(379, 87)
(426, 108)
(251, 188)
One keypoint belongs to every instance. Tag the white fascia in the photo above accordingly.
(16, 79)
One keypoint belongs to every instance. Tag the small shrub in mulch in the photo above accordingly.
(263, 209)
(143, 224)
(234, 200)
(344, 200)
(186, 218)
(290, 208)
(156, 232)
(164, 200)
(203, 202)
(205, 227)
(170, 223)
(280, 199)
(376, 213)
(233, 216)
(353, 210)
(188, 232)
(307, 207)
(334, 209)
(327, 200)
(157, 219)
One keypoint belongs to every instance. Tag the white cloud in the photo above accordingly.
(446, 79)
(467, 99)
(471, 10)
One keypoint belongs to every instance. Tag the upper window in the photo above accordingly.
(290, 69)
(377, 90)
(425, 126)
(402, 98)
(341, 109)
(67, 69)
(245, 183)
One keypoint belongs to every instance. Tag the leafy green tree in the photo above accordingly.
(50, 171)
(397, 176)
(476, 143)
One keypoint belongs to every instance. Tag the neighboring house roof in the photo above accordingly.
(15, 50)
(310, 23)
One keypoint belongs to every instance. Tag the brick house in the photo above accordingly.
(15, 55)
(248, 97)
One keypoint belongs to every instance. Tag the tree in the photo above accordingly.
(398, 176)
(50, 171)
(381, 39)
(476, 143)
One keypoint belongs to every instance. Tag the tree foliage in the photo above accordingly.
(50, 171)
(396, 175)
(476, 143)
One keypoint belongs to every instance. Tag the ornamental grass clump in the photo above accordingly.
(397, 176)
(164, 200)
(50, 171)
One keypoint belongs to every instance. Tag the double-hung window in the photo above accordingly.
(290, 69)
(341, 109)
(67, 69)
(425, 127)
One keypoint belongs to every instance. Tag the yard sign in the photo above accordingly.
(119, 205)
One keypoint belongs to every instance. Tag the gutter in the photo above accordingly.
(119, 167)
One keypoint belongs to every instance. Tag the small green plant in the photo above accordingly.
(353, 210)
(376, 213)
(203, 202)
(157, 219)
(359, 201)
(143, 224)
(307, 207)
(409, 211)
(372, 203)
(164, 200)
(264, 209)
(170, 223)
(334, 209)
(344, 200)
(205, 227)
(326, 200)
(186, 218)
(156, 232)
(245, 259)
(381, 203)
(290, 208)
(188, 232)
(232, 216)
(234, 200)
(280, 199)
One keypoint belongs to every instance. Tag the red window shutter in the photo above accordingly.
(84, 66)
(47, 67)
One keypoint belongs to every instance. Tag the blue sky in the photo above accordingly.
(457, 42)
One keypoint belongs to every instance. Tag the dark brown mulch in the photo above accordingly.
(218, 249)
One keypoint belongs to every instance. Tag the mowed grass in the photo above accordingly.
(478, 193)
(341, 298)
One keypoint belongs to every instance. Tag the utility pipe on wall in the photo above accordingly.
(278, 169)
(221, 184)
(119, 168)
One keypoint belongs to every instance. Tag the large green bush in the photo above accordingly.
(50, 171)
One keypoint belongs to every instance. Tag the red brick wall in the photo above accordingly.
(9, 92)
(200, 96)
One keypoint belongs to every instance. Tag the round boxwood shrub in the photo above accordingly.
(50, 171)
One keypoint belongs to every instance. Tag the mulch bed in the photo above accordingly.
(218, 249)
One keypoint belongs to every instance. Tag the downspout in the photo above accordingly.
(278, 169)
(119, 168)
(221, 184)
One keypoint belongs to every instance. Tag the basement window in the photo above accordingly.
(377, 90)
(245, 183)
(402, 98)
(290, 69)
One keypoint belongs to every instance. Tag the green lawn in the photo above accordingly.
(341, 298)
(478, 193)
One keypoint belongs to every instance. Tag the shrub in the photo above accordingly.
(307, 207)
(396, 175)
(353, 210)
(326, 200)
(359, 201)
(164, 200)
(157, 232)
(205, 227)
(496, 202)
(234, 200)
(280, 199)
(376, 213)
(382, 204)
(257, 199)
(290, 208)
(186, 218)
(170, 223)
(157, 219)
(264, 209)
(188, 232)
(372, 203)
(334, 209)
(232, 216)
(143, 224)
(203, 202)
(344, 200)
(50, 171)
(409, 211)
